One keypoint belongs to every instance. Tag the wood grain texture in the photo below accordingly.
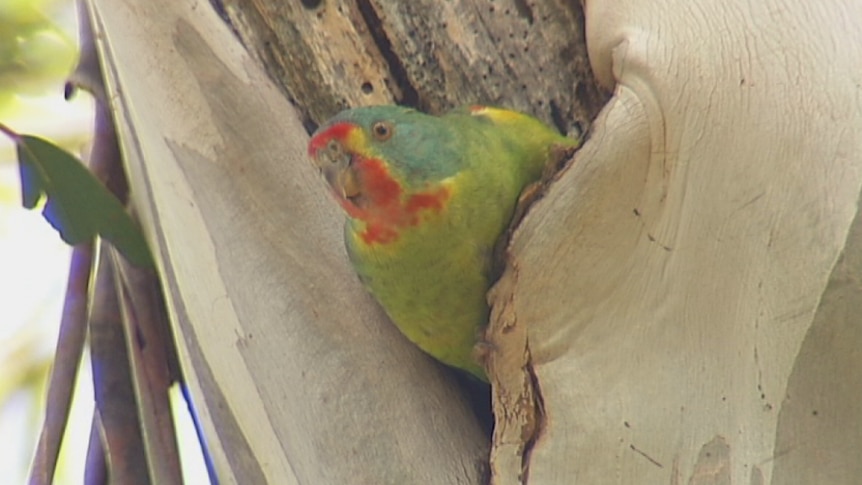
(681, 280)
(427, 54)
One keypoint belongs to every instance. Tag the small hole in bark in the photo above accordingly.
(557, 116)
(367, 88)
(311, 4)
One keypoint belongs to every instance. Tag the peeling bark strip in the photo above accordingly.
(327, 55)
(505, 351)
(516, 401)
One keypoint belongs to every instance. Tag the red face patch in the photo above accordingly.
(338, 131)
(382, 202)
(384, 207)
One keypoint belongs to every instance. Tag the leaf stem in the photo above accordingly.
(15, 137)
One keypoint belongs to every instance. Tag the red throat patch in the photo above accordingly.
(384, 209)
(382, 203)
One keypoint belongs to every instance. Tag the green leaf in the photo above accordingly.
(79, 206)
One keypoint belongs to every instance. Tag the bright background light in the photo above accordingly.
(34, 261)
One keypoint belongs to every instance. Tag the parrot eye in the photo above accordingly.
(381, 130)
(334, 149)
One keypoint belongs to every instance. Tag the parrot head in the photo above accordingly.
(387, 166)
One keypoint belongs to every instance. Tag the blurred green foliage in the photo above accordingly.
(34, 51)
(38, 50)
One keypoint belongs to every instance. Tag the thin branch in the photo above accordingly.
(112, 381)
(150, 348)
(67, 358)
(96, 469)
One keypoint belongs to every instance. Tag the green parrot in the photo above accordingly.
(426, 199)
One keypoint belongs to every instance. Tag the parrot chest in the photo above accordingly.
(432, 283)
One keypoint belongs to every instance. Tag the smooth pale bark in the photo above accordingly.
(295, 374)
(689, 289)
(683, 305)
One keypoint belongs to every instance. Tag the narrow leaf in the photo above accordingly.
(79, 207)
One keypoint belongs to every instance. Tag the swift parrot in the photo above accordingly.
(426, 199)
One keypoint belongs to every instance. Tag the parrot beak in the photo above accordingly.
(348, 184)
(334, 164)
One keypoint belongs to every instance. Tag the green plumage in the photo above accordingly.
(468, 167)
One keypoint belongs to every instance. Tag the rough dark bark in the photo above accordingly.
(432, 55)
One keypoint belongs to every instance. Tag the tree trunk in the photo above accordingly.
(681, 306)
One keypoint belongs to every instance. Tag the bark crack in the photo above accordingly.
(409, 95)
(538, 417)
